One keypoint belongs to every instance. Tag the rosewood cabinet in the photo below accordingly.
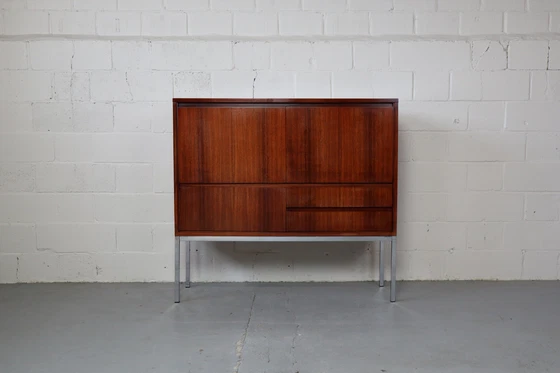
(286, 170)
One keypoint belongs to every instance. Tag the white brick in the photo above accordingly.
(46, 208)
(255, 24)
(26, 22)
(51, 55)
(438, 56)
(505, 85)
(137, 117)
(140, 4)
(9, 269)
(481, 265)
(25, 86)
(197, 55)
(73, 148)
(95, 5)
(437, 23)
(66, 177)
(485, 176)
(16, 117)
(332, 56)
(80, 84)
(140, 208)
(232, 4)
(525, 116)
(421, 265)
(555, 22)
(371, 55)
(543, 146)
(278, 4)
(134, 178)
(481, 23)
(416, 5)
(466, 86)
(352, 84)
(528, 55)
(397, 23)
(49, 4)
(488, 55)
(164, 24)
(17, 239)
(187, 84)
(543, 5)
(325, 5)
(554, 55)
(487, 116)
(150, 85)
(458, 5)
(300, 23)
(392, 84)
(62, 86)
(163, 237)
(132, 148)
(503, 5)
(438, 236)
(12, 4)
(91, 55)
(430, 147)
(313, 85)
(163, 178)
(186, 5)
(13, 56)
(52, 117)
(68, 238)
(433, 177)
(430, 86)
(291, 56)
(228, 84)
(433, 116)
(526, 23)
(274, 84)
(134, 238)
(491, 207)
(542, 206)
(210, 23)
(486, 146)
(347, 24)
(72, 23)
(118, 23)
(133, 268)
(370, 5)
(26, 148)
(539, 86)
(532, 236)
(131, 55)
(540, 265)
(17, 177)
(532, 177)
(485, 236)
(36, 267)
(251, 55)
(92, 117)
(422, 207)
(110, 86)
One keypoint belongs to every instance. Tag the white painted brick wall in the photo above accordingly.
(86, 129)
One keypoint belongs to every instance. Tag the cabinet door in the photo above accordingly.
(340, 144)
(231, 145)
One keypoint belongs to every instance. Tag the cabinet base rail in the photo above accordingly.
(381, 239)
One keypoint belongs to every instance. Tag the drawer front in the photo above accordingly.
(340, 196)
(339, 221)
(231, 208)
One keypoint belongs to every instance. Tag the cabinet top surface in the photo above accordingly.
(292, 101)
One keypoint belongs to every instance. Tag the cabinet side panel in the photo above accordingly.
(395, 163)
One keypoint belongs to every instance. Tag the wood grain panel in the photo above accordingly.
(231, 208)
(231, 145)
(340, 196)
(339, 221)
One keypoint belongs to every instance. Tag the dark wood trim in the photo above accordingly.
(280, 101)
(175, 170)
(395, 165)
(283, 234)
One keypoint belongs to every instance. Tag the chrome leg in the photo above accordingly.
(393, 269)
(381, 264)
(177, 269)
(188, 264)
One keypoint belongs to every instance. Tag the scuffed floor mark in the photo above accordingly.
(293, 349)
(241, 342)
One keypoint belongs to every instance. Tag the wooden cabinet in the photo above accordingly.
(247, 167)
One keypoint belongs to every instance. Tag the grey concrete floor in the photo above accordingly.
(447, 327)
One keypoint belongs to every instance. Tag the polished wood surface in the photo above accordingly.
(285, 166)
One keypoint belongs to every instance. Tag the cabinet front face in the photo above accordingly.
(231, 145)
(338, 144)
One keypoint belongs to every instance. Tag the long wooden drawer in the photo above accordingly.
(340, 196)
(334, 220)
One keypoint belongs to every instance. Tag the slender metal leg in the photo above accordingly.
(393, 269)
(188, 264)
(177, 269)
(381, 264)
